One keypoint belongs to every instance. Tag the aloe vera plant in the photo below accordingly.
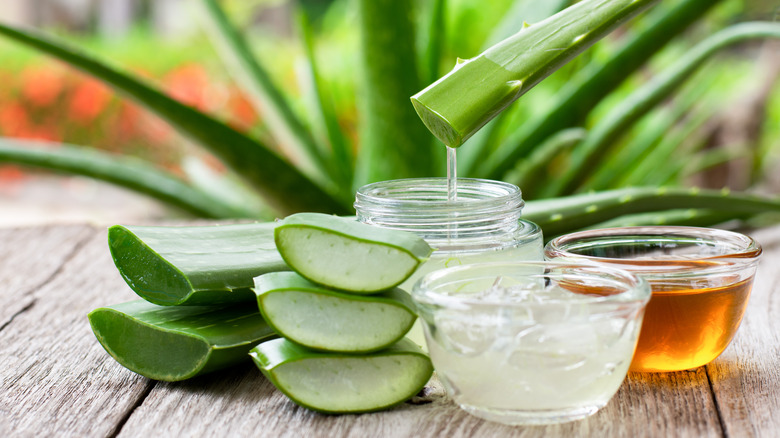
(551, 142)
(198, 265)
(178, 343)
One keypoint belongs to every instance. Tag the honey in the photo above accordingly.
(700, 280)
(685, 328)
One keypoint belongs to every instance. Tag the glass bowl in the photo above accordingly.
(531, 342)
(700, 278)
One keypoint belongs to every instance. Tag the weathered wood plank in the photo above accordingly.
(56, 380)
(241, 402)
(746, 377)
(28, 259)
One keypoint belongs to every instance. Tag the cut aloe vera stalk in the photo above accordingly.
(340, 383)
(348, 255)
(325, 319)
(178, 343)
(202, 265)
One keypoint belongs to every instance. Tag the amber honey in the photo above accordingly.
(700, 279)
(686, 328)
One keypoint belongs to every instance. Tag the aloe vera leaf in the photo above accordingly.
(622, 116)
(528, 175)
(329, 320)
(648, 136)
(340, 157)
(673, 151)
(283, 123)
(435, 28)
(177, 343)
(393, 143)
(281, 184)
(575, 101)
(127, 172)
(340, 383)
(714, 157)
(529, 11)
(196, 265)
(476, 90)
(227, 187)
(693, 217)
(562, 215)
(348, 255)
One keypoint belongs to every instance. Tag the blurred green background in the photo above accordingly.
(720, 129)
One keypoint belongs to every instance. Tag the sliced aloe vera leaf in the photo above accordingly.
(324, 319)
(196, 265)
(178, 343)
(344, 254)
(340, 383)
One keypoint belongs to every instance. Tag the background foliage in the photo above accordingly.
(332, 98)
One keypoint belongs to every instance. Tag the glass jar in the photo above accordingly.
(700, 279)
(483, 224)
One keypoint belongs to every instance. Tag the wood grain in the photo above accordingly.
(28, 259)
(746, 377)
(56, 379)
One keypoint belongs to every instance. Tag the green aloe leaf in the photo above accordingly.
(195, 265)
(349, 255)
(127, 172)
(330, 320)
(636, 105)
(562, 215)
(281, 184)
(691, 217)
(285, 126)
(476, 90)
(393, 142)
(178, 343)
(574, 102)
(529, 174)
(340, 383)
(340, 157)
(523, 11)
(437, 33)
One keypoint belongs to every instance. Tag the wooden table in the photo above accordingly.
(58, 381)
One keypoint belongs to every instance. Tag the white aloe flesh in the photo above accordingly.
(329, 320)
(340, 383)
(348, 255)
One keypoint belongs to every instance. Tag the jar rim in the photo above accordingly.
(634, 289)
(735, 249)
(431, 194)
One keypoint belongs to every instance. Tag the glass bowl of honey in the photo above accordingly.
(700, 279)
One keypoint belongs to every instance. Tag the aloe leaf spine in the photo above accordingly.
(574, 102)
(476, 90)
(562, 215)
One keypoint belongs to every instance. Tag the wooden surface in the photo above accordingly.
(56, 380)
